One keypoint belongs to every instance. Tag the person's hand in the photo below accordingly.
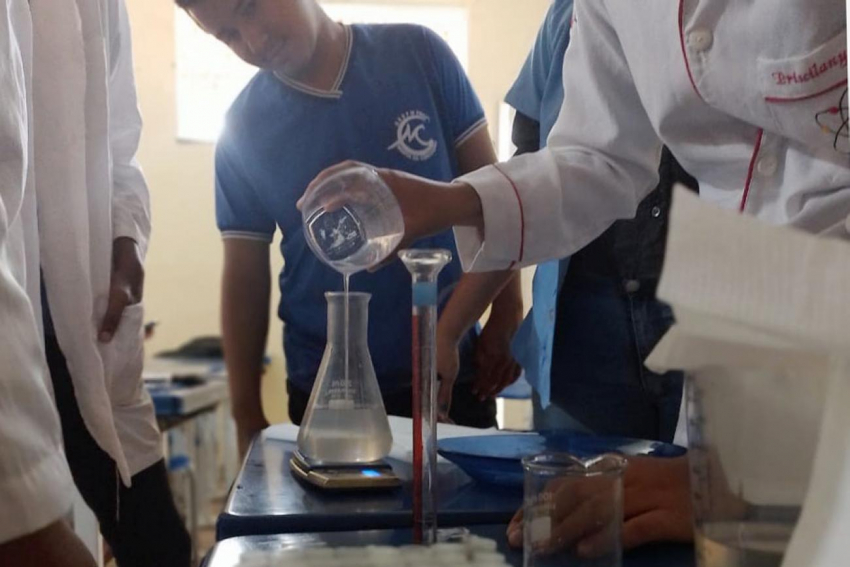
(448, 364)
(656, 505)
(427, 207)
(246, 429)
(496, 368)
(581, 516)
(657, 501)
(126, 285)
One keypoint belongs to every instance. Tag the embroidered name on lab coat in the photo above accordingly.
(838, 61)
(811, 75)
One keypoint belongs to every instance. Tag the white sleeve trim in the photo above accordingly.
(501, 247)
(37, 498)
(245, 235)
(471, 131)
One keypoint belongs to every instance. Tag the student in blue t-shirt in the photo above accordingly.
(391, 95)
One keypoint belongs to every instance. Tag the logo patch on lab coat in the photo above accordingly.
(412, 137)
(834, 121)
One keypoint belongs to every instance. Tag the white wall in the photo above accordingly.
(184, 263)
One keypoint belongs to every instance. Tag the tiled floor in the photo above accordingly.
(206, 535)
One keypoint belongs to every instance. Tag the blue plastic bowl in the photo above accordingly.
(497, 459)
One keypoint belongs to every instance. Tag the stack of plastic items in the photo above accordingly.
(476, 552)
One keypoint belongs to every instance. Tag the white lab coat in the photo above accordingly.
(747, 95)
(36, 488)
(91, 191)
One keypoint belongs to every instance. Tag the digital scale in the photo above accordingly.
(371, 476)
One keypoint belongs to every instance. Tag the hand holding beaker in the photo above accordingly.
(352, 221)
(427, 207)
(573, 511)
(656, 501)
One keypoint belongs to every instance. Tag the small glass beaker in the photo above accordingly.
(352, 220)
(345, 422)
(573, 511)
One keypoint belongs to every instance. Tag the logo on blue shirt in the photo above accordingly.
(413, 142)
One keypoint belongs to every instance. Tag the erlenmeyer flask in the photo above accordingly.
(346, 422)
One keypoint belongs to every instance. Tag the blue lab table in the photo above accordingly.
(226, 553)
(183, 389)
(185, 398)
(267, 499)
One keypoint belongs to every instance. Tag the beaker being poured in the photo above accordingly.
(345, 422)
(352, 220)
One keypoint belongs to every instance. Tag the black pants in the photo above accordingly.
(466, 409)
(140, 523)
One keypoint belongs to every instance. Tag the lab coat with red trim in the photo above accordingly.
(751, 97)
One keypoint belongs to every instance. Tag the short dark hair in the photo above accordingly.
(186, 3)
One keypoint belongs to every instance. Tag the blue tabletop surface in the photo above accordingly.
(167, 401)
(226, 553)
(267, 499)
(186, 397)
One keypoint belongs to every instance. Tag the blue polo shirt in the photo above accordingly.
(539, 94)
(539, 90)
(402, 101)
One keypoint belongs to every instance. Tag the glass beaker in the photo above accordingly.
(753, 433)
(345, 422)
(570, 503)
(352, 220)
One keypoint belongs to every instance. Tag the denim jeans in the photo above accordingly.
(605, 329)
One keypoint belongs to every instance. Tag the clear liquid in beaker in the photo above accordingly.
(344, 244)
(352, 220)
(753, 435)
(348, 435)
(742, 544)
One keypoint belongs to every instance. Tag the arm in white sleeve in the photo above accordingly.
(601, 161)
(35, 484)
(130, 201)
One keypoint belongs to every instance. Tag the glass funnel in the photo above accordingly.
(352, 220)
(424, 267)
(345, 422)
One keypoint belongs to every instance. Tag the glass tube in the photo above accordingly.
(424, 267)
